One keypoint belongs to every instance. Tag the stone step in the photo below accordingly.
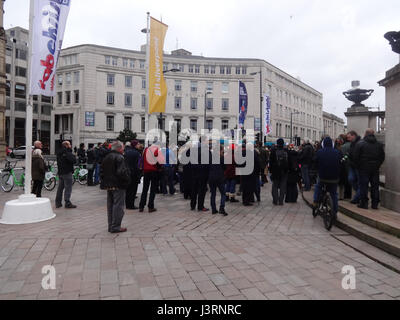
(383, 219)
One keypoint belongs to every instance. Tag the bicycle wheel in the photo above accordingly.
(7, 182)
(49, 185)
(329, 216)
(82, 180)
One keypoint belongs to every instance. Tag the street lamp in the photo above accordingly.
(291, 125)
(161, 114)
(205, 108)
(261, 102)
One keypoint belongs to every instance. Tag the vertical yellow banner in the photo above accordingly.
(157, 85)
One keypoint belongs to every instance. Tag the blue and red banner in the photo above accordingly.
(243, 104)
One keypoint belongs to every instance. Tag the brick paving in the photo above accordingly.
(263, 252)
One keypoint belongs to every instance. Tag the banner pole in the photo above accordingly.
(147, 75)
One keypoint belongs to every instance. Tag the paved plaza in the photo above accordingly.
(262, 252)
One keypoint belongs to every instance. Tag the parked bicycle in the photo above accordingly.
(80, 174)
(324, 208)
(9, 178)
(50, 178)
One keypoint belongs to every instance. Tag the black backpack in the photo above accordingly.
(282, 160)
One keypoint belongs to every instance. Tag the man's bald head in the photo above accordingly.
(369, 132)
(38, 145)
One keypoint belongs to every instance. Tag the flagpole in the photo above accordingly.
(29, 110)
(147, 75)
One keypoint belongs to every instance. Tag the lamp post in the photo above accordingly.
(205, 108)
(161, 114)
(291, 125)
(261, 103)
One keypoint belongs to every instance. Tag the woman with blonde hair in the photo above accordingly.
(38, 172)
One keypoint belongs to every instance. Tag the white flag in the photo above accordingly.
(49, 20)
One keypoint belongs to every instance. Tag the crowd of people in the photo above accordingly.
(349, 163)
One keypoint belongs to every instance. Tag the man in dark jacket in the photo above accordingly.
(132, 158)
(115, 178)
(279, 167)
(327, 161)
(91, 163)
(306, 157)
(216, 181)
(65, 164)
(353, 178)
(369, 156)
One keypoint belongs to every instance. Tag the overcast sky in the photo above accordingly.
(325, 43)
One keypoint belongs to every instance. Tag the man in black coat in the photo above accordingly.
(279, 167)
(369, 156)
(65, 164)
(91, 163)
(115, 178)
(132, 158)
(305, 159)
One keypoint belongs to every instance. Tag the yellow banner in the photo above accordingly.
(157, 85)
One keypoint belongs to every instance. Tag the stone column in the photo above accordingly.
(391, 193)
(3, 40)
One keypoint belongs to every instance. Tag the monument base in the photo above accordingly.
(390, 200)
(27, 209)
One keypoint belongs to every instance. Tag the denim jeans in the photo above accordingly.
(332, 189)
(230, 187)
(365, 179)
(97, 173)
(354, 180)
(213, 187)
(306, 176)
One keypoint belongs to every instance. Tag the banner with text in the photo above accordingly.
(157, 85)
(267, 128)
(243, 103)
(48, 26)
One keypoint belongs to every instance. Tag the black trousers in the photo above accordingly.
(199, 189)
(248, 189)
(90, 177)
(150, 181)
(37, 188)
(131, 192)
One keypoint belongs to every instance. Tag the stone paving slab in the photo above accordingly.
(263, 252)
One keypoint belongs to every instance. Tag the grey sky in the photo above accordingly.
(325, 43)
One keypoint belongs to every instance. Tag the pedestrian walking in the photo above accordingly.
(65, 164)
(115, 178)
(369, 156)
(279, 167)
(38, 172)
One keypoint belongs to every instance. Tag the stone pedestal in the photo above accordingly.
(359, 119)
(391, 193)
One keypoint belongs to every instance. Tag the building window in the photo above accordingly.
(178, 125)
(20, 54)
(228, 70)
(131, 63)
(128, 100)
(110, 98)
(110, 123)
(20, 72)
(206, 69)
(181, 67)
(143, 83)
(191, 68)
(209, 124)
(60, 79)
(178, 103)
(212, 70)
(197, 69)
(193, 103)
(128, 81)
(225, 124)
(142, 64)
(68, 78)
(8, 68)
(193, 124)
(193, 86)
(222, 69)
(114, 61)
(225, 87)
(178, 85)
(20, 91)
(209, 103)
(165, 66)
(144, 102)
(46, 109)
(238, 70)
(110, 79)
(225, 104)
(143, 124)
(76, 77)
(244, 70)
(210, 86)
(125, 62)
(128, 123)
(67, 97)
(76, 96)
(59, 97)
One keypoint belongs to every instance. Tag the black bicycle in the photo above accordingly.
(324, 208)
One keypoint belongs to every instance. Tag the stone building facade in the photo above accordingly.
(101, 91)
(333, 125)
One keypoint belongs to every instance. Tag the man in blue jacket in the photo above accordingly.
(328, 164)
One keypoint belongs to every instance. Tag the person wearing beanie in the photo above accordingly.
(279, 166)
(328, 163)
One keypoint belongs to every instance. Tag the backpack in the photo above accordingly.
(282, 160)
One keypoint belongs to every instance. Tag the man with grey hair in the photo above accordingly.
(65, 164)
(369, 156)
(38, 145)
(115, 178)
